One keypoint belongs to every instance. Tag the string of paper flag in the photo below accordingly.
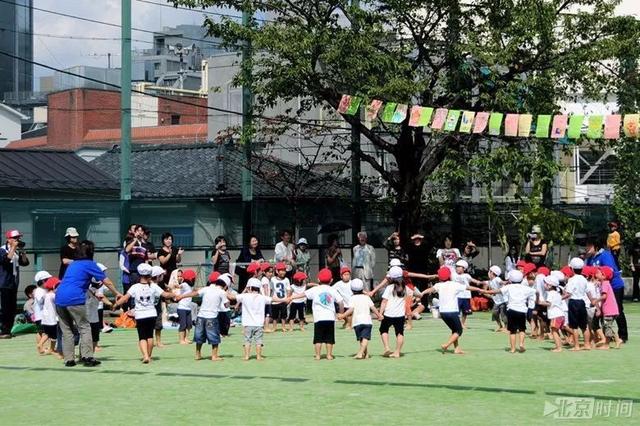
(557, 126)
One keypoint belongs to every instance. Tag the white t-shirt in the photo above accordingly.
(145, 297)
(448, 292)
(344, 289)
(280, 288)
(297, 290)
(361, 305)
(395, 304)
(518, 296)
(212, 299)
(38, 303)
(323, 300)
(184, 304)
(555, 308)
(577, 287)
(265, 290)
(450, 256)
(463, 279)
(496, 284)
(49, 309)
(253, 308)
(92, 306)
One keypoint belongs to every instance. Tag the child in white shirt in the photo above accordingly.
(360, 308)
(296, 308)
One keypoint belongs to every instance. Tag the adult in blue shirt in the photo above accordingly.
(597, 255)
(71, 297)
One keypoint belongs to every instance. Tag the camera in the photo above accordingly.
(21, 244)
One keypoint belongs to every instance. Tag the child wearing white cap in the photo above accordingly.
(499, 311)
(360, 309)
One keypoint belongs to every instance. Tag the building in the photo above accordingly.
(16, 37)
(10, 124)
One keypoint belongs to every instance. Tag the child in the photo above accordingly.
(207, 326)
(360, 310)
(157, 277)
(343, 287)
(49, 318)
(464, 298)
(38, 302)
(280, 289)
(499, 312)
(519, 295)
(448, 292)
(267, 274)
(145, 294)
(253, 308)
(296, 309)
(185, 320)
(575, 291)
(608, 307)
(555, 314)
(323, 299)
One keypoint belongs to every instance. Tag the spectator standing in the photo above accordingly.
(303, 256)
(536, 248)
(635, 266)
(333, 257)
(12, 257)
(469, 252)
(68, 252)
(363, 261)
(249, 253)
(169, 257)
(285, 252)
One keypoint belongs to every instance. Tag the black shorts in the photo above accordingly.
(279, 312)
(578, 317)
(96, 327)
(51, 331)
(324, 332)
(396, 322)
(452, 319)
(296, 311)
(145, 327)
(516, 321)
(363, 331)
(184, 319)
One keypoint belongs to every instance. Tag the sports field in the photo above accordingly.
(486, 385)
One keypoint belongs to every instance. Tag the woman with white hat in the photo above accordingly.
(69, 251)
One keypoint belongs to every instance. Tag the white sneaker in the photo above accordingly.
(107, 329)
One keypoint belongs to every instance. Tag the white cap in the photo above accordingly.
(254, 283)
(226, 278)
(551, 280)
(144, 269)
(496, 270)
(41, 275)
(559, 275)
(462, 263)
(102, 267)
(156, 271)
(303, 241)
(576, 263)
(515, 276)
(357, 284)
(71, 232)
(395, 273)
(395, 262)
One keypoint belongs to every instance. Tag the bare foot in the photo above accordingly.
(556, 350)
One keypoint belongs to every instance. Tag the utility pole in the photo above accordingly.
(356, 190)
(247, 132)
(125, 118)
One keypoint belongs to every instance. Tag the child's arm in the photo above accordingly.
(346, 314)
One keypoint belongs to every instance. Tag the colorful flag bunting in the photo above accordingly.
(524, 125)
(467, 121)
(612, 126)
(389, 110)
(420, 116)
(452, 120)
(400, 114)
(511, 125)
(542, 126)
(559, 127)
(575, 126)
(372, 110)
(439, 118)
(481, 121)
(495, 123)
(631, 125)
(595, 127)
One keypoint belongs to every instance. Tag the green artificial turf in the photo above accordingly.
(486, 385)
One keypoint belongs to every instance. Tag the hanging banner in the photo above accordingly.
(399, 114)
(511, 125)
(575, 126)
(387, 113)
(467, 121)
(439, 118)
(481, 121)
(372, 109)
(524, 125)
(612, 126)
(631, 125)
(452, 120)
(559, 127)
(595, 127)
(495, 123)
(542, 126)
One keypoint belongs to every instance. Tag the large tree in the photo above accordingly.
(492, 55)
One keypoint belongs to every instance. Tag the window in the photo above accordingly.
(175, 119)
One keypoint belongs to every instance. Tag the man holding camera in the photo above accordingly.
(12, 256)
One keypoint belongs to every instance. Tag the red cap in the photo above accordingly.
(212, 278)
(544, 271)
(264, 266)
(325, 276)
(345, 269)
(189, 275)
(520, 263)
(589, 271)
(607, 271)
(299, 276)
(529, 268)
(51, 283)
(253, 267)
(280, 266)
(13, 233)
(444, 273)
(567, 271)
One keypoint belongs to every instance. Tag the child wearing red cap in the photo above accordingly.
(448, 292)
(50, 318)
(343, 287)
(296, 309)
(608, 307)
(324, 299)
(280, 289)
